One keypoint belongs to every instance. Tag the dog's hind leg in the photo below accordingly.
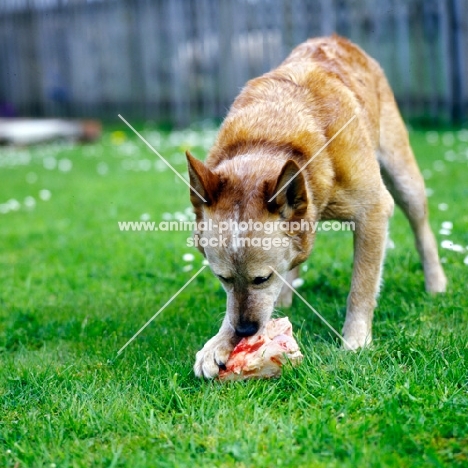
(405, 182)
(286, 295)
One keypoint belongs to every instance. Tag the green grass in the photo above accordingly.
(74, 289)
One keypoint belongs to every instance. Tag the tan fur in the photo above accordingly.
(275, 126)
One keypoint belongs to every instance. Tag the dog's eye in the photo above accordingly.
(261, 279)
(226, 280)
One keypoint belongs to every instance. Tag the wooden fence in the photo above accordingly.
(185, 60)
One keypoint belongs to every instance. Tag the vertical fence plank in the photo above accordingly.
(403, 54)
(464, 53)
(327, 17)
(457, 66)
(177, 27)
(444, 45)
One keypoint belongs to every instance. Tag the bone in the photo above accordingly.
(264, 354)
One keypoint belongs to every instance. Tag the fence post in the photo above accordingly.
(456, 56)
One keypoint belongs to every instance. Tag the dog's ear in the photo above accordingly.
(204, 184)
(289, 197)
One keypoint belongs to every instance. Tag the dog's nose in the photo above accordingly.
(246, 329)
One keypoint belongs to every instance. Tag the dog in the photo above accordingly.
(318, 138)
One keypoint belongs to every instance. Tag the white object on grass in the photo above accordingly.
(29, 202)
(445, 232)
(13, 204)
(102, 168)
(65, 165)
(49, 163)
(45, 194)
(446, 244)
(297, 283)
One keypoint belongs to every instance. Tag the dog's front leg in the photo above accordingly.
(369, 248)
(216, 351)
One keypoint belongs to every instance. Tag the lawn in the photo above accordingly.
(74, 289)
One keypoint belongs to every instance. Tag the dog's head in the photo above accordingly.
(251, 214)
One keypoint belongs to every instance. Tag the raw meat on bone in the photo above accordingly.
(263, 355)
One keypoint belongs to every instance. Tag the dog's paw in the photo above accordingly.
(353, 343)
(356, 335)
(212, 356)
(436, 281)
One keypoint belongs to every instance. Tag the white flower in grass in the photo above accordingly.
(187, 268)
(463, 135)
(443, 260)
(465, 261)
(450, 156)
(49, 163)
(443, 206)
(45, 194)
(390, 244)
(205, 262)
(427, 173)
(167, 216)
(180, 216)
(102, 168)
(432, 138)
(297, 283)
(449, 245)
(446, 244)
(188, 257)
(4, 209)
(447, 225)
(429, 192)
(29, 202)
(445, 232)
(305, 267)
(13, 205)
(65, 165)
(144, 165)
(145, 217)
(159, 165)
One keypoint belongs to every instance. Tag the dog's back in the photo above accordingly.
(303, 103)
